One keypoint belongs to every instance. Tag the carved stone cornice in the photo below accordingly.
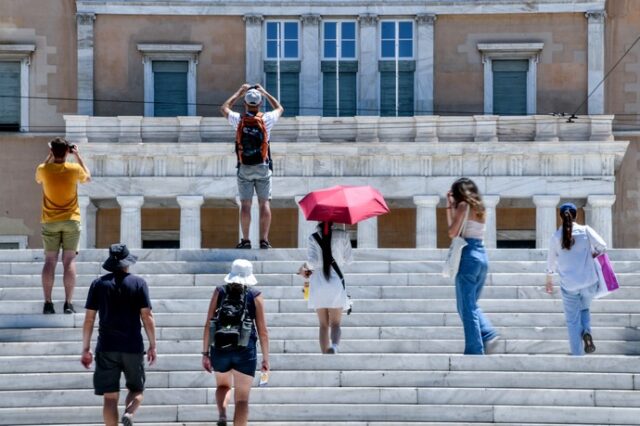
(368, 19)
(310, 19)
(85, 18)
(253, 19)
(596, 15)
(426, 18)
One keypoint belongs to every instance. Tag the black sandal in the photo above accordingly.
(589, 347)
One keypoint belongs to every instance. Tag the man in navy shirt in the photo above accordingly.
(121, 299)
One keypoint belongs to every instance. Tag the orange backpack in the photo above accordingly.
(252, 143)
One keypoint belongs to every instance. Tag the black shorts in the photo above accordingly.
(244, 360)
(110, 365)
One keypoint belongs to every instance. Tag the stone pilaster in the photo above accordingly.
(368, 66)
(599, 215)
(426, 225)
(84, 22)
(545, 218)
(424, 63)
(490, 235)
(254, 45)
(131, 220)
(87, 222)
(305, 227)
(310, 75)
(368, 233)
(190, 232)
(595, 60)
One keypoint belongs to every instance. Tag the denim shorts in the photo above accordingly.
(243, 360)
(256, 177)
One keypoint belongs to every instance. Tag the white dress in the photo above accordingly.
(323, 293)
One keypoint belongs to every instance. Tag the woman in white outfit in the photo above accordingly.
(327, 293)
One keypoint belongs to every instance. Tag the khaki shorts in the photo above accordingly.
(65, 234)
(256, 178)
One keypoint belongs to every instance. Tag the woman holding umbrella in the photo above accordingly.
(329, 250)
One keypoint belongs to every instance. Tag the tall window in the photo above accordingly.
(510, 86)
(282, 64)
(339, 69)
(10, 96)
(170, 88)
(397, 67)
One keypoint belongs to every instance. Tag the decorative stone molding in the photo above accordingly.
(130, 129)
(486, 128)
(76, 128)
(310, 19)
(425, 18)
(577, 165)
(253, 19)
(426, 166)
(597, 15)
(85, 18)
(368, 19)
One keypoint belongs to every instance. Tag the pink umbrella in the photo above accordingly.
(343, 204)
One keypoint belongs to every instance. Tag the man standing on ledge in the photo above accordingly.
(60, 217)
(253, 131)
(122, 300)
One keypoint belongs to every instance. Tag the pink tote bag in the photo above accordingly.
(607, 281)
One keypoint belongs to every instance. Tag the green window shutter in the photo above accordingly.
(9, 95)
(387, 71)
(289, 91)
(348, 98)
(170, 88)
(510, 87)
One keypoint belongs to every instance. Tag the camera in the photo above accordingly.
(254, 87)
(71, 147)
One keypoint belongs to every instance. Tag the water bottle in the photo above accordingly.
(305, 290)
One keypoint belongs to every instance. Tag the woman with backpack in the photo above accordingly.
(466, 217)
(329, 251)
(571, 251)
(235, 320)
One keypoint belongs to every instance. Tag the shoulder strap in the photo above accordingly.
(334, 264)
(464, 221)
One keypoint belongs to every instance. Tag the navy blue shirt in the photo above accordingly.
(118, 301)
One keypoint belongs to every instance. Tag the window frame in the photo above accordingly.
(20, 53)
(339, 40)
(169, 52)
(282, 40)
(397, 40)
(510, 51)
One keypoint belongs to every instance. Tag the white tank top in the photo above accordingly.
(474, 230)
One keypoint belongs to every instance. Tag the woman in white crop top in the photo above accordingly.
(466, 216)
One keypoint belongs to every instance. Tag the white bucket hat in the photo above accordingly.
(241, 273)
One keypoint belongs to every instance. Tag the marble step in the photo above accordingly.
(341, 412)
(395, 378)
(344, 423)
(363, 306)
(356, 395)
(315, 362)
(311, 332)
(513, 319)
(379, 266)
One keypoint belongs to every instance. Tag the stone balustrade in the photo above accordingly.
(477, 128)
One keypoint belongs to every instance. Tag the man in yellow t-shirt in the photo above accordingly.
(60, 217)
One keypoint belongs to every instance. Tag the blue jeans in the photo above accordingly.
(469, 282)
(576, 311)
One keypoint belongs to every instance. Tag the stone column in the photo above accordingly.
(545, 218)
(131, 220)
(599, 217)
(595, 59)
(84, 22)
(368, 67)
(426, 224)
(424, 64)
(310, 75)
(87, 222)
(490, 203)
(190, 232)
(305, 227)
(253, 48)
(254, 227)
(368, 233)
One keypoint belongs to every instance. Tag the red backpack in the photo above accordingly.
(252, 142)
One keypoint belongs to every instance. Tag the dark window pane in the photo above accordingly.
(388, 30)
(330, 49)
(170, 88)
(405, 30)
(272, 49)
(291, 30)
(349, 49)
(349, 30)
(10, 96)
(272, 30)
(510, 87)
(289, 91)
(405, 49)
(388, 49)
(290, 49)
(329, 30)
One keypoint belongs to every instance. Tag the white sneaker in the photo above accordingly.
(333, 349)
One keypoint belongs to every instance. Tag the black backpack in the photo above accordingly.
(231, 326)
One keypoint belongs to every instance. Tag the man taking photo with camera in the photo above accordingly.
(60, 217)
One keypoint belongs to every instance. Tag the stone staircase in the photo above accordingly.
(399, 361)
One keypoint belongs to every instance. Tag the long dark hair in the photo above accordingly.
(325, 245)
(464, 189)
(568, 217)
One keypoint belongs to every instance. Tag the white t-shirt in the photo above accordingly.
(270, 118)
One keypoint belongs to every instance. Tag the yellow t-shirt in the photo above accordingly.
(60, 190)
